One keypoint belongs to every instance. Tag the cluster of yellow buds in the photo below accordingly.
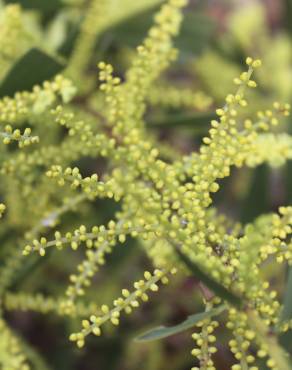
(2, 209)
(205, 341)
(23, 140)
(241, 341)
(165, 204)
(26, 104)
(11, 351)
(126, 303)
(169, 96)
(90, 185)
(15, 36)
(106, 240)
(45, 305)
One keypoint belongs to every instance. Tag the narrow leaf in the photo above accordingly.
(196, 32)
(43, 6)
(185, 120)
(33, 68)
(164, 332)
(29, 265)
(287, 305)
(213, 285)
(258, 193)
(288, 14)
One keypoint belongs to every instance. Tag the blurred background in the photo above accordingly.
(216, 37)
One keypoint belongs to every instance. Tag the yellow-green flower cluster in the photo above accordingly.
(126, 303)
(153, 56)
(90, 185)
(96, 237)
(242, 337)
(2, 209)
(45, 305)
(11, 357)
(95, 257)
(173, 97)
(14, 37)
(205, 341)
(52, 216)
(161, 197)
(100, 15)
(266, 237)
(23, 140)
(282, 150)
(165, 204)
(25, 104)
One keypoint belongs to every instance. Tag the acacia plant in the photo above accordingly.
(164, 198)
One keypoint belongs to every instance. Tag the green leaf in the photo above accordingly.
(210, 283)
(164, 332)
(287, 305)
(259, 194)
(66, 48)
(288, 14)
(196, 31)
(287, 170)
(29, 265)
(41, 5)
(33, 68)
(57, 31)
(286, 338)
(184, 120)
